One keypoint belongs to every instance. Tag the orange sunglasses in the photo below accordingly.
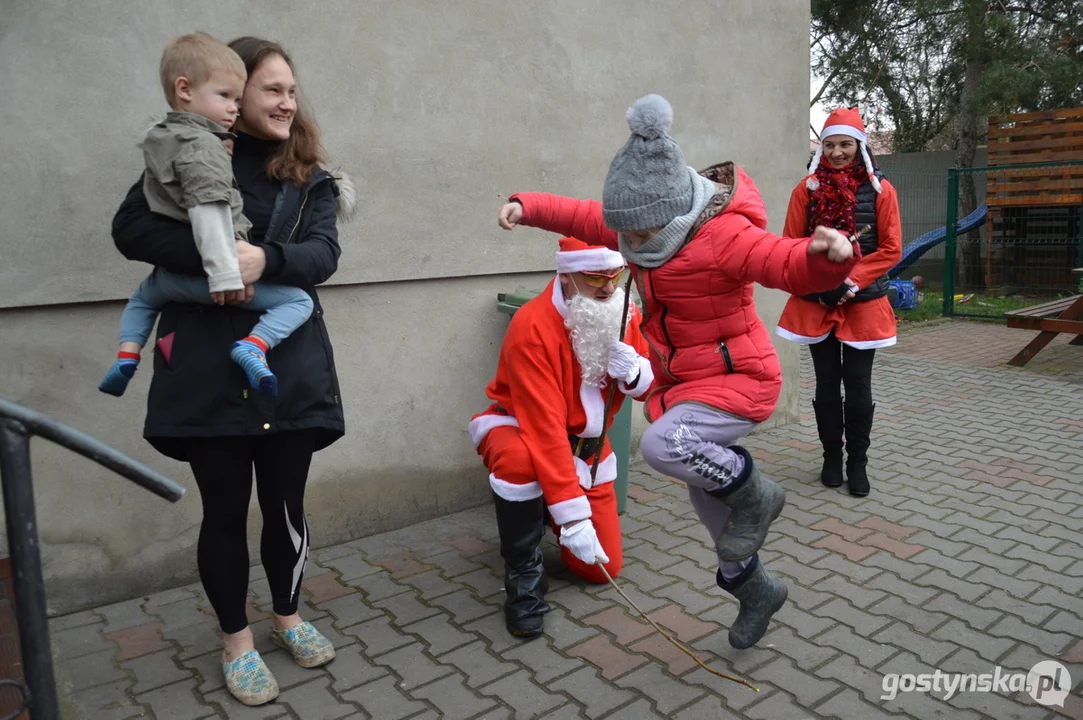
(599, 279)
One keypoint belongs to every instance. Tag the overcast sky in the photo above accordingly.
(817, 114)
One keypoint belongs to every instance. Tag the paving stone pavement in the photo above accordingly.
(967, 555)
(943, 340)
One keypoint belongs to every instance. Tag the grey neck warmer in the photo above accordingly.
(664, 245)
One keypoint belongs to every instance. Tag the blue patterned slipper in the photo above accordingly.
(249, 680)
(307, 645)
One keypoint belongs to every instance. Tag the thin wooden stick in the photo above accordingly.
(594, 473)
(859, 233)
(676, 643)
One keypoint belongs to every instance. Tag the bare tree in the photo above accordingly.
(939, 68)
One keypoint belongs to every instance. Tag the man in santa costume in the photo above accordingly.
(540, 436)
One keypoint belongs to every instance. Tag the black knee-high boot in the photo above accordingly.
(522, 525)
(829, 425)
(858, 428)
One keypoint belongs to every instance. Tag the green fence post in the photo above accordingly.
(1079, 248)
(950, 242)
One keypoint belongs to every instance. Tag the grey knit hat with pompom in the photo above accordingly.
(648, 183)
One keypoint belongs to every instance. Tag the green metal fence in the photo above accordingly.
(1024, 251)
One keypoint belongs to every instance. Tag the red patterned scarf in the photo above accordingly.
(834, 202)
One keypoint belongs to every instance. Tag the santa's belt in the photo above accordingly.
(583, 448)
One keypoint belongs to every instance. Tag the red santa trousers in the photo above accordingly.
(507, 458)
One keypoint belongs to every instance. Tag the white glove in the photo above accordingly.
(623, 361)
(582, 541)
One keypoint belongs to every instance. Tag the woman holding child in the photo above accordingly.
(201, 408)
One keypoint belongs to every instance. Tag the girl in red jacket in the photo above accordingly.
(696, 243)
(843, 327)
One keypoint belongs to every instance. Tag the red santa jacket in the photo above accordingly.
(708, 345)
(539, 389)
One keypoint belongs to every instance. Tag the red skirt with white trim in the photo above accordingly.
(864, 325)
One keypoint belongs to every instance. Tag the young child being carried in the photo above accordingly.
(189, 177)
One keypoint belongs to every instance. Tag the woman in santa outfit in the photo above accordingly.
(843, 327)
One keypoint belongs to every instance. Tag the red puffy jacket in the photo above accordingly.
(708, 345)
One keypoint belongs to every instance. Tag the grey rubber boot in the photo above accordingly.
(754, 502)
(760, 594)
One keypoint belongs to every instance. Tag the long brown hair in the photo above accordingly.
(299, 156)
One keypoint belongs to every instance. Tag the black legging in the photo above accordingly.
(850, 367)
(223, 471)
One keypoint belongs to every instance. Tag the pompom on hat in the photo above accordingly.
(649, 183)
(849, 123)
(575, 255)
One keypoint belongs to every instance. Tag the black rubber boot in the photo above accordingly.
(521, 526)
(760, 594)
(754, 502)
(829, 425)
(858, 428)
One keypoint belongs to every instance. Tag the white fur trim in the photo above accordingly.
(869, 168)
(594, 407)
(594, 260)
(870, 344)
(646, 377)
(558, 299)
(481, 425)
(516, 492)
(578, 508)
(843, 130)
(803, 339)
(347, 196)
(607, 471)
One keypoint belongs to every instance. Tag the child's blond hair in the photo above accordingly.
(196, 57)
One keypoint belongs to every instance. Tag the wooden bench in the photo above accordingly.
(1050, 319)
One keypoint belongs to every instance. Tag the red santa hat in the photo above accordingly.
(849, 123)
(576, 256)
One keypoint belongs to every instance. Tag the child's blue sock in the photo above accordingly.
(116, 380)
(251, 354)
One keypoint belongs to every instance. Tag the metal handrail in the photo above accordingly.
(17, 425)
(90, 447)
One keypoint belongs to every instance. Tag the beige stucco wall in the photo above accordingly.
(436, 110)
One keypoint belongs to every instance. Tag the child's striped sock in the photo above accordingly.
(251, 354)
(116, 380)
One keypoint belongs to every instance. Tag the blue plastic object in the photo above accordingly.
(914, 249)
(905, 295)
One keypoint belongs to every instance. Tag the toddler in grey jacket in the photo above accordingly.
(189, 177)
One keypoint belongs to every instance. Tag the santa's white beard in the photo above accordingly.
(592, 326)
